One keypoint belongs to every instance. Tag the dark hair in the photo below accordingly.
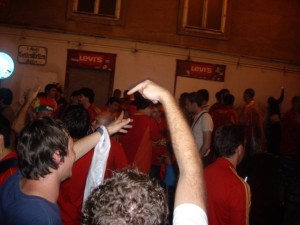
(112, 100)
(77, 121)
(249, 92)
(227, 138)
(6, 96)
(142, 103)
(183, 96)
(48, 87)
(129, 197)
(228, 99)
(117, 92)
(5, 130)
(202, 95)
(199, 97)
(89, 93)
(36, 145)
(75, 93)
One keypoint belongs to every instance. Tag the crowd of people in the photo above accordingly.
(143, 158)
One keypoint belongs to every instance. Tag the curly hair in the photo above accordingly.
(129, 197)
(36, 145)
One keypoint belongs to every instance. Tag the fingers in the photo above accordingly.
(138, 87)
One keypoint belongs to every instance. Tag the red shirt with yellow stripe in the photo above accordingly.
(228, 195)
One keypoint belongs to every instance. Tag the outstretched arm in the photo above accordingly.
(83, 145)
(20, 120)
(190, 187)
(280, 99)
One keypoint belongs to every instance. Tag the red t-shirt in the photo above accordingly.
(224, 115)
(135, 139)
(228, 195)
(71, 191)
(116, 159)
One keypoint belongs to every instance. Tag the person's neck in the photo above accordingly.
(4, 151)
(233, 159)
(86, 105)
(199, 110)
(46, 188)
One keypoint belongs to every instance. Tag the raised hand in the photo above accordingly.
(119, 125)
(150, 90)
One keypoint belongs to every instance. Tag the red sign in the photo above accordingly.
(95, 60)
(200, 70)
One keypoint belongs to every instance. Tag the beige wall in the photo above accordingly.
(151, 61)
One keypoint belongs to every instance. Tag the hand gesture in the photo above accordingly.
(31, 94)
(119, 125)
(149, 90)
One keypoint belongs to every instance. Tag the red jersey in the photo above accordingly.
(224, 115)
(71, 191)
(228, 195)
(137, 143)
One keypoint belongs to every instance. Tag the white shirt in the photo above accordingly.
(189, 214)
(205, 123)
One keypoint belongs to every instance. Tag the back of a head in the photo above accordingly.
(37, 143)
(228, 100)
(142, 103)
(117, 93)
(183, 96)
(112, 100)
(77, 120)
(5, 130)
(129, 197)
(202, 97)
(6, 96)
(249, 92)
(89, 93)
(227, 138)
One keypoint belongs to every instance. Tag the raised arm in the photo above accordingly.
(83, 145)
(190, 187)
(21, 119)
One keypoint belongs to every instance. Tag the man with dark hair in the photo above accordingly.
(77, 120)
(202, 125)
(6, 97)
(231, 203)
(86, 99)
(46, 154)
(138, 142)
(144, 200)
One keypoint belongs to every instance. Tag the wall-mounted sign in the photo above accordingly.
(34, 55)
(95, 60)
(200, 70)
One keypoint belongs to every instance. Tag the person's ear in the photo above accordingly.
(57, 157)
(240, 152)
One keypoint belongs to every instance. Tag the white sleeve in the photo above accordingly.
(189, 214)
(98, 165)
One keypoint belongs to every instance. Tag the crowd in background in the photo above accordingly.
(272, 143)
